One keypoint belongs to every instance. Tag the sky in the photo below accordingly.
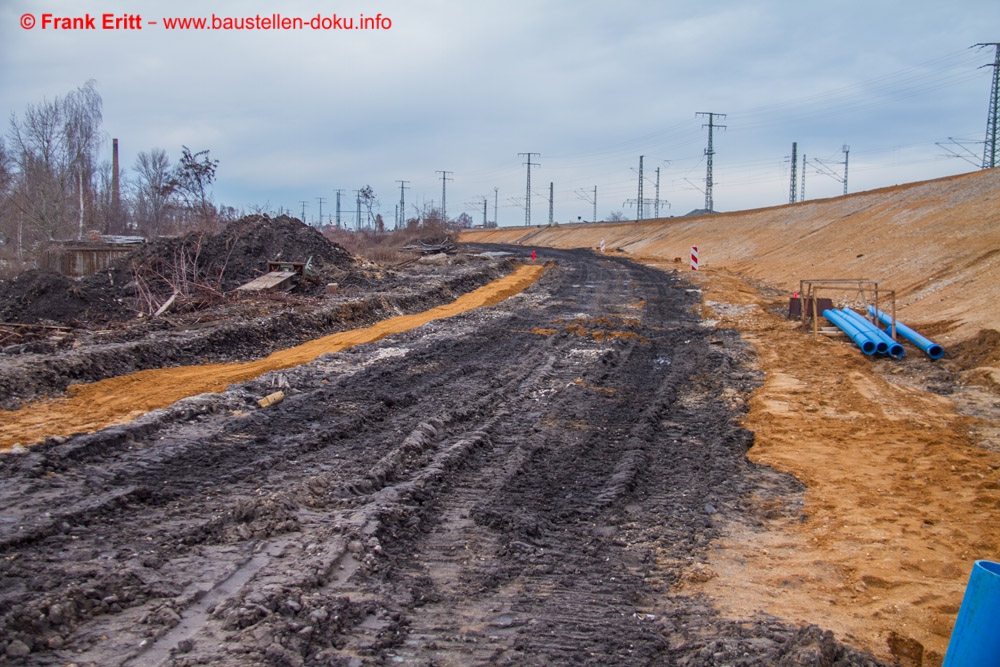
(467, 88)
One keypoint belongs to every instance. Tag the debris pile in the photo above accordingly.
(198, 266)
(214, 264)
(433, 246)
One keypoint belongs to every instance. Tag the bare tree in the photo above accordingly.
(616, 216)
(10, 237)
(6, 181)
(43, 190)
(6, 170)
(193, 176)
(428, 218)
(81, 126)
(54, 149)
(370, 201)
(154, 190)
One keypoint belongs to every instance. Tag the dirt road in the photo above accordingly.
(527, 483)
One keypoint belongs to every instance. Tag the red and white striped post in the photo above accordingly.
(694, 258)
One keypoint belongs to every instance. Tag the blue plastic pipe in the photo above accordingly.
(894, 349)
(975, 639)
(860, 338)
(929, 347)
(881, 347)
(891, 347)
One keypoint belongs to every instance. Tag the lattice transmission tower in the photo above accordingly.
(795, 161)
(990, 145)
(709, 152)
(527, 192)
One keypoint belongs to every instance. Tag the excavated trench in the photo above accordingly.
(526, 483)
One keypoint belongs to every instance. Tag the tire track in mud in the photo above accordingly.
(520, 484)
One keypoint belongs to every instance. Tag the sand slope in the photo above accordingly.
(936, 243)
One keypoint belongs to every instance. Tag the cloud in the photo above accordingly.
(294, 115)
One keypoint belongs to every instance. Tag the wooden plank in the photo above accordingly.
(272, 280)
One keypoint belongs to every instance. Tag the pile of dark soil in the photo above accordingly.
(197, 265)
(47, 296)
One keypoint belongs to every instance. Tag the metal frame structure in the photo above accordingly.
(809, 293)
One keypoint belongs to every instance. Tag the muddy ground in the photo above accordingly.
(528, 483)
(44, 359)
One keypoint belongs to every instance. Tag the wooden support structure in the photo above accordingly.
(867, 290)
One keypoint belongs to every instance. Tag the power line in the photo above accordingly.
(582, 195)
(940, 74)
(966, 154)
(527, 196)
(638, 203)
(481, 199)
(824, 168)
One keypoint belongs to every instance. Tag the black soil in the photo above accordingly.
(522, 484)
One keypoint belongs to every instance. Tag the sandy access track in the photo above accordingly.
(900, 460)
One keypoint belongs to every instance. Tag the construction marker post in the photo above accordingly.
(602, 245)
(694, 258)
(974, 639)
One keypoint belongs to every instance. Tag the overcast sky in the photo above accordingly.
(463, 87)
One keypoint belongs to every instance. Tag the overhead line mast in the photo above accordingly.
(638, 215)
(401, 216)
(527, 194)
(444, 181)
(321, 200)
(795, 164)
(656, 202)
(993, 115)
(709, 152)
(551, 196)
(847, 154)
(802, 185)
